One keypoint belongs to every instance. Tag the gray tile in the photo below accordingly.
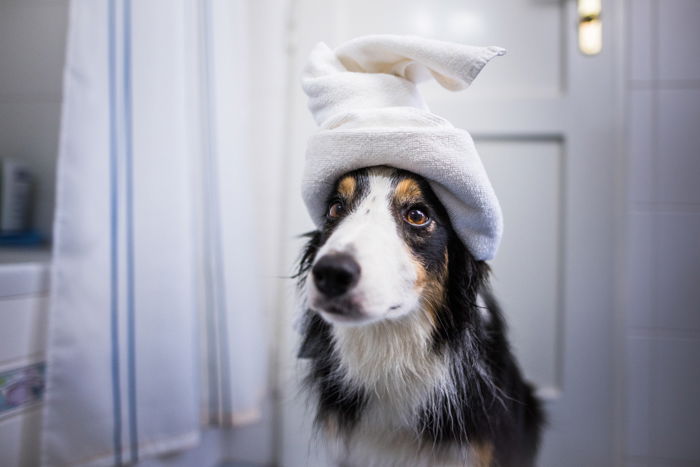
(32, 42)
(638, 275)
(637, 396)
(676, 427)
(231, 463)
(640, 38)
(640, 145)
(677, 270)
(679, 36)
(678, 146)
(656, 462)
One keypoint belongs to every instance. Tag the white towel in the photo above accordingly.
(364, 97)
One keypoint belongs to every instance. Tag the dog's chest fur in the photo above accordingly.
(402, 376)
(393, 362)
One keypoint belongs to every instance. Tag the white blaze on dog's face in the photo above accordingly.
(383, 233)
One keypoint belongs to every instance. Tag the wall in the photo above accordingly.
(32, 41)
(662, 267)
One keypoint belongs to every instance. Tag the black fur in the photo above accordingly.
(495, 405)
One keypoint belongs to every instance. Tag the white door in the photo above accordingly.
(543, 119)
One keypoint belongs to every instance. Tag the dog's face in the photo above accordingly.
(383, 248)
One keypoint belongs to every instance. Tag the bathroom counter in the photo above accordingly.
(24, 271)
(24, 308)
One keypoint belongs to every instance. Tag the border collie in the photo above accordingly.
(409, 364)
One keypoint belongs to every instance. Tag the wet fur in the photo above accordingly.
(439, 386)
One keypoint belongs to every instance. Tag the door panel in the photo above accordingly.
(527, 177)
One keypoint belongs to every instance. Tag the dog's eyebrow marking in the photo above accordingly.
(347, 186)
(407, 190)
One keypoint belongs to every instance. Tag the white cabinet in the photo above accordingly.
(23, 319)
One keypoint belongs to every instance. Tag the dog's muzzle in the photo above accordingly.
(335, 274)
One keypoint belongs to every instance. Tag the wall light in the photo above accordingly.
(590, 27)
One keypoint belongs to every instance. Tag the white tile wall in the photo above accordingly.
(637, 409)
(678, 142)
(32, 40)
(31, 48)
(640, 137)
(677, 269)
(639, 15)
(638, 281)
(675, 403)
(662, 264)
(678, 39)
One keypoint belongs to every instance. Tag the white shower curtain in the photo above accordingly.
(236, 347)
(157, 321)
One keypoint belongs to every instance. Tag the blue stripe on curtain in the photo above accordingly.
(96, 381)
(125, 118)
(131, 317)
(114, 230)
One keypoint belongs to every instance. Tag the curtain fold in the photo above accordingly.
(122, 379)
(161, 288)
(235, 308)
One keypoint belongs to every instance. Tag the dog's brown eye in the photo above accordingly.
(416, 217)
(335, 210)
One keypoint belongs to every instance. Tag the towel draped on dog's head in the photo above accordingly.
(364, 97)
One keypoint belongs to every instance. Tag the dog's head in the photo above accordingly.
(383, 250)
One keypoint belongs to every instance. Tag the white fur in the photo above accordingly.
(386, 434)
(402, 386)
(387, 281)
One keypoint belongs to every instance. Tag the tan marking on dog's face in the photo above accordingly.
(431, 288)
(407, 191)
(421, 285)
(482, 454)
(347, 187)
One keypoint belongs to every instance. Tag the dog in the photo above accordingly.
(408, 358)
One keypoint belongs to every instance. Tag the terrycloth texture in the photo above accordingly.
(364, 97)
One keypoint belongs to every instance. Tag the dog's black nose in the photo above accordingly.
(335, 274)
